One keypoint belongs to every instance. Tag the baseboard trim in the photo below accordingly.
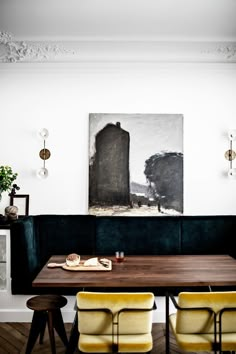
(17, 315)
(22, 314)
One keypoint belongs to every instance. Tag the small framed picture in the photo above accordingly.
(22, 203)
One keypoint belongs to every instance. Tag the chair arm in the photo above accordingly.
(226, 309)
(133, 309)
(95, 310)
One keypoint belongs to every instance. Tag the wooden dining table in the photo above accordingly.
(144, 271)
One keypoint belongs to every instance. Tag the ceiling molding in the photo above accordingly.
(13, 51)
(229, 51)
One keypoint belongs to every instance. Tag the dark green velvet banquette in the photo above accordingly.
(35, 238)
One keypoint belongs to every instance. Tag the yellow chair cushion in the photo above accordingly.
(201, 321)
(127, 344)
(100, 322)
(201, 342)
(191, 341)
(194, 330)
(95, 327)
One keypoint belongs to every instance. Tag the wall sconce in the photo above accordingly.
(44, 154)
(231, 154)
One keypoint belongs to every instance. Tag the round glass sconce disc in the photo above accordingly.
(42, 173)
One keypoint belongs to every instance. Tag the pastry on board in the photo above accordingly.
(72, 260)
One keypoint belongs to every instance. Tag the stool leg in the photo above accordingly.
(51, 332)
(43, 329)
(38, 322)
(58, 324)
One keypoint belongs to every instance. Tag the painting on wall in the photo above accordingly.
(135, 164)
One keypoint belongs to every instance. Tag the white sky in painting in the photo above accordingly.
(149, 134)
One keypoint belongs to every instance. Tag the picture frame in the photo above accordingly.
(136, 164)
(22, 203)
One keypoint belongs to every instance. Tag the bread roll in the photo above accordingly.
(72, 260)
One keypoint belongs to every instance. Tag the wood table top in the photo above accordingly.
(145, 271)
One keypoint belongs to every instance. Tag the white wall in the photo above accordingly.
(60, 98)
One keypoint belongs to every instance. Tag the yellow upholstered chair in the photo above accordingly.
(205, 321)
(115, 322)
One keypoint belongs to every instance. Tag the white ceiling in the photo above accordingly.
(187, 20)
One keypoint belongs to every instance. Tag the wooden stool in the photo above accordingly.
(46, 310)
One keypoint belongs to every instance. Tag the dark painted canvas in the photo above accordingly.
(135, 164)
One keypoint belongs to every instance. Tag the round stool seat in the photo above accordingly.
(46, 302)
(47, 310)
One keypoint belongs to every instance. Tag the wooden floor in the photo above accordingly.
(13, 339)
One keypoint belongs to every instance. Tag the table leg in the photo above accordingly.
(74, 336)
(167, 324)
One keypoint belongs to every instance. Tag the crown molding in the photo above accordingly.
(12, 51)
(96, 50)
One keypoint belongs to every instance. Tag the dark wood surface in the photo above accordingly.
(146, 271)
(46, 302)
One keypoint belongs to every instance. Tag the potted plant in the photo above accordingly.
(7, 177)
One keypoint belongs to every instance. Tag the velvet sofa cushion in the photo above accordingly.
(36, 238)
(64, 234)
(138, 235)
(25, 260)
(208, 235)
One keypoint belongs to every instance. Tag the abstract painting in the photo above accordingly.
(135, 164)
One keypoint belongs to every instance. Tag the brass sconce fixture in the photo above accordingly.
(44, 154)
(230, 154)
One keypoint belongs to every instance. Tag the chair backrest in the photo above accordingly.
(98, 321)
(201, 321)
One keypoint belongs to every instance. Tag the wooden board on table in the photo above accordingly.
(100, 267)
